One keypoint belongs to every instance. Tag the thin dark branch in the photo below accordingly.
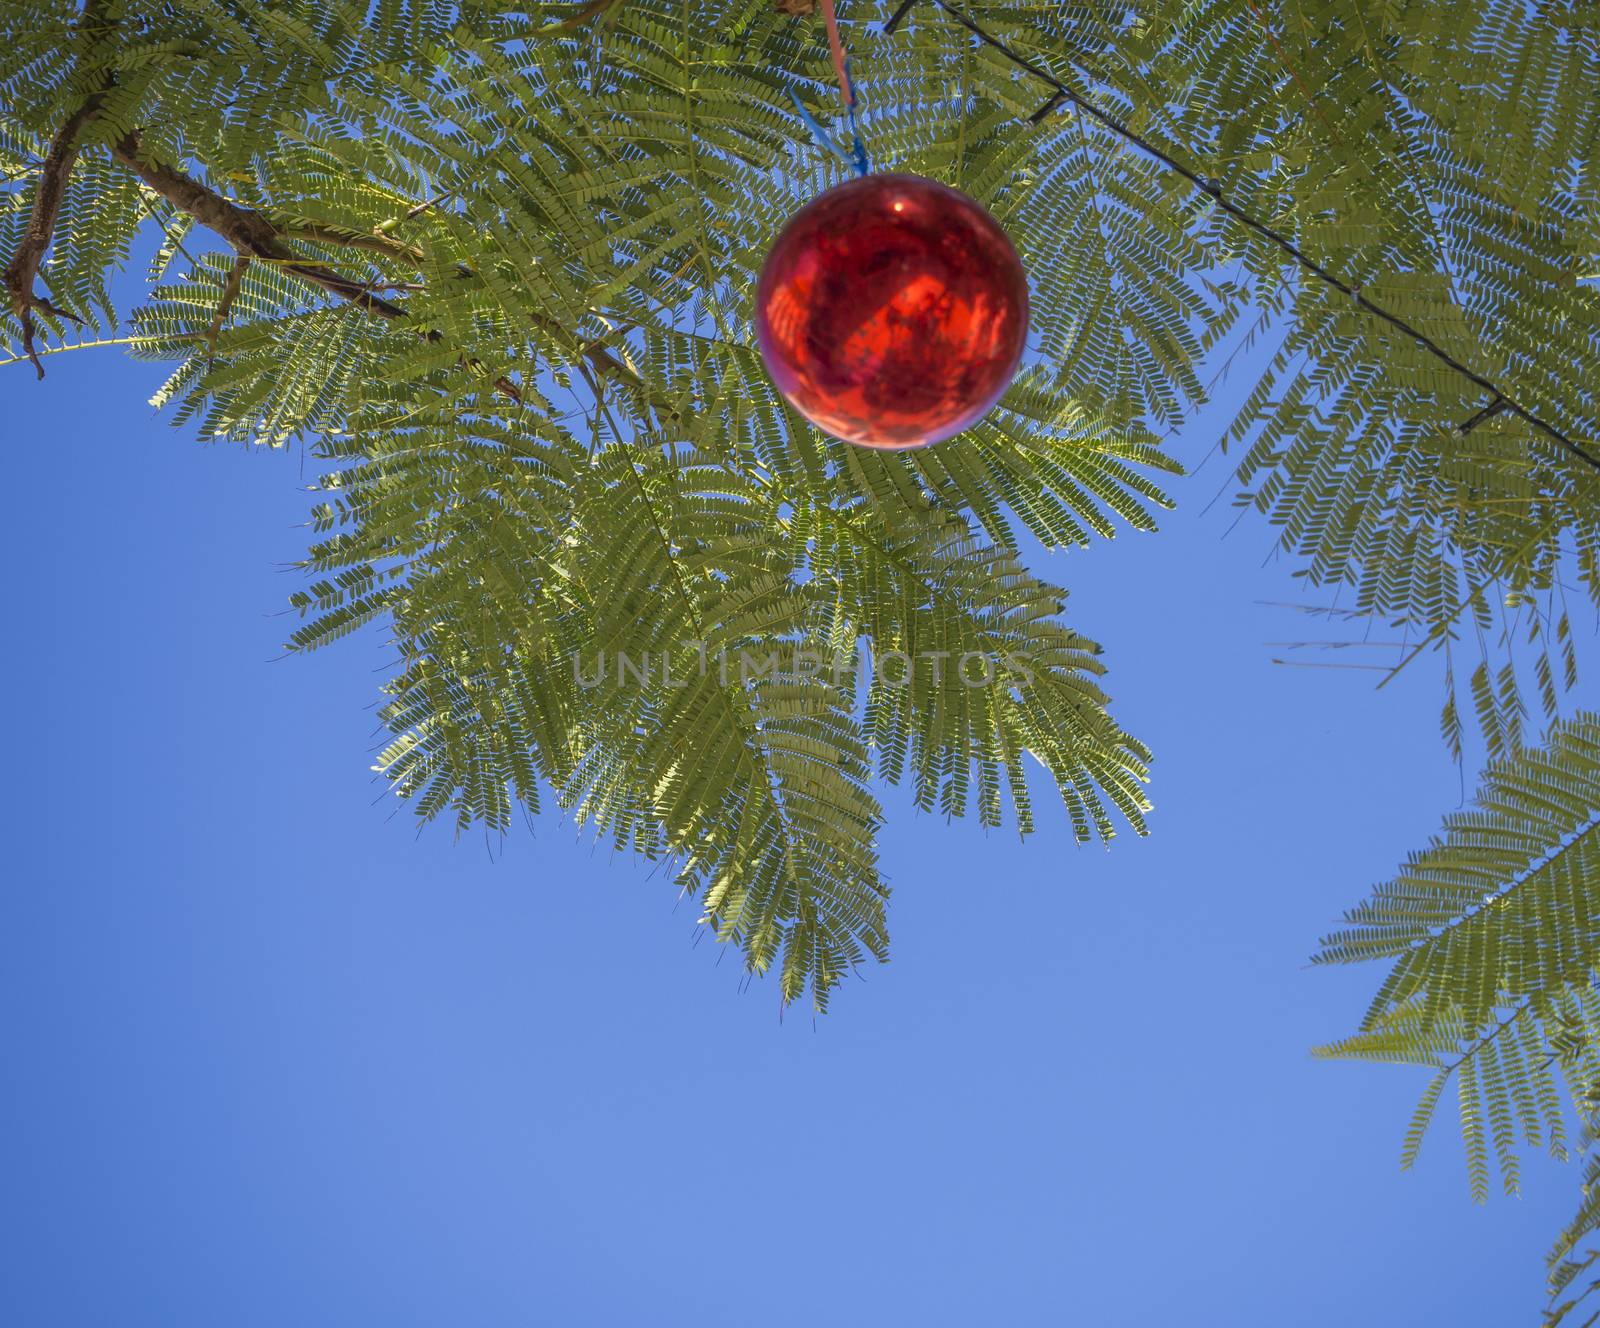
(426, 203)
(1487, 413)
(1046, 109)
(1213, 191)
(897, 16)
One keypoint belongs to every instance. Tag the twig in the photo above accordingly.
(584, 12)
(384, 227)
(1359, 668)
(230, 291)
(1487, 413)
(426, 203)
(62, 348)
(377, 242)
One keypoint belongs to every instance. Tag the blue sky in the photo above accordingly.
(274, 1058)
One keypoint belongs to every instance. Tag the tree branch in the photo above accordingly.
(1487, 413)
(230, 292)
(23, 270)
(250, 234)
(253, 236)
(376, 243)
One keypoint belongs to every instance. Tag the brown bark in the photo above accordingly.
(22, 272)
(254, 237)
(250, 234)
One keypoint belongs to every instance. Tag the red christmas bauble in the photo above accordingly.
(892, 311)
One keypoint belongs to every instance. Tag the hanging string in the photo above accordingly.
(1499, 400)
(836, 48)
(856, 158)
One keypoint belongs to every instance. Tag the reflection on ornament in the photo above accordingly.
(892, 311)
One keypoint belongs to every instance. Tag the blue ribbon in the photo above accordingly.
(858, 155)
(856, 158)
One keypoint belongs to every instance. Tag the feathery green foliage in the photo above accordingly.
(491, 266)
(496, 274)
(1493, 936)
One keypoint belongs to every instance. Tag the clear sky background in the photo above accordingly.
(271, 1058)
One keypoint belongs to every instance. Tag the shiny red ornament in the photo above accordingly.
(892, 311)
